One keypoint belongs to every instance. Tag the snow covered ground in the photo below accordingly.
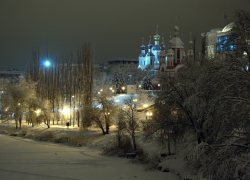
(22, 158)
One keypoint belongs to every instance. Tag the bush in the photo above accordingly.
(77, 141)
(47, 136)
(23, 133)
(4, 132)
(154, 161)
(142, 156)
(113, 149)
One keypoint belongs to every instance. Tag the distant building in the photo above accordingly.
(168, 61)
(217, 41)
(123, 63)
(10, 73)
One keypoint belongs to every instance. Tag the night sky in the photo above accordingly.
(114, 27)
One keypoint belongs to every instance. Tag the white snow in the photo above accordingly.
(22, 158)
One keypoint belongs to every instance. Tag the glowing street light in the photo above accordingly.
(111, 88)
(145, 105)
(47, 63)
(38, 111)
(66, 111)
(101, 90)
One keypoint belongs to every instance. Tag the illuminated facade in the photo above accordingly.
(168, 61)
(217, 41)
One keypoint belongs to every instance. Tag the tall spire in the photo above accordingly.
(162, 43)
(157, 36)
(142, 46)
(170, 42)
(176, 29)
(190, 42)
(149, 44)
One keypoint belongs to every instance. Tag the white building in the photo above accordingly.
(217, 41)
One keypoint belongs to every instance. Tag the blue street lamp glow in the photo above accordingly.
(47, 63)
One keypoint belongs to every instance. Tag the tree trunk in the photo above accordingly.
(134, 144)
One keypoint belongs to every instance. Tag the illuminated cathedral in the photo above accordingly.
(168, 60)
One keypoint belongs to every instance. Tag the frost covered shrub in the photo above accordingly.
(77, 141)
(154, 161)
(63, 139)
(22, 133)
(4, 132)
(113, 149)
(219, 162)
(47, 136)
(142, 156)
(31, 136)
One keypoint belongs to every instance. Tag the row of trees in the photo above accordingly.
(209, 103)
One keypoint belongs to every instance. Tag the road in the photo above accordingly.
(26, 159)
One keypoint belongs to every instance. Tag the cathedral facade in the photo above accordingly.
(168, 60)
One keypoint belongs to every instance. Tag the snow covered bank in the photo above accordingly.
(96, 140)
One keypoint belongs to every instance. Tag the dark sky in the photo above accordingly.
(114, 27)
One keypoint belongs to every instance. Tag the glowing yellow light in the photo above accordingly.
(101, 90)
(123, 88)
(111, 88)
(135, 100)
(66, 111)
(149, 113)
(145, 105)
(38, 111)
(73, 96)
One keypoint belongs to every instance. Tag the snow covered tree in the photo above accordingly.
(17, 96)
(146, 83)
(130, 116)
(105, 110)
(118, 82)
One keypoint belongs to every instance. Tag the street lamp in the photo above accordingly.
(123, 88)
(47, 63)
(38, 111)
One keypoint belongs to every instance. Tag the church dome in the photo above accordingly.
(157, 37)
(150, 46)
(143, 47)
(177, 43)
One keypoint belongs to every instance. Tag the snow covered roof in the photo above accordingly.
(177, 43)
(228, 27)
